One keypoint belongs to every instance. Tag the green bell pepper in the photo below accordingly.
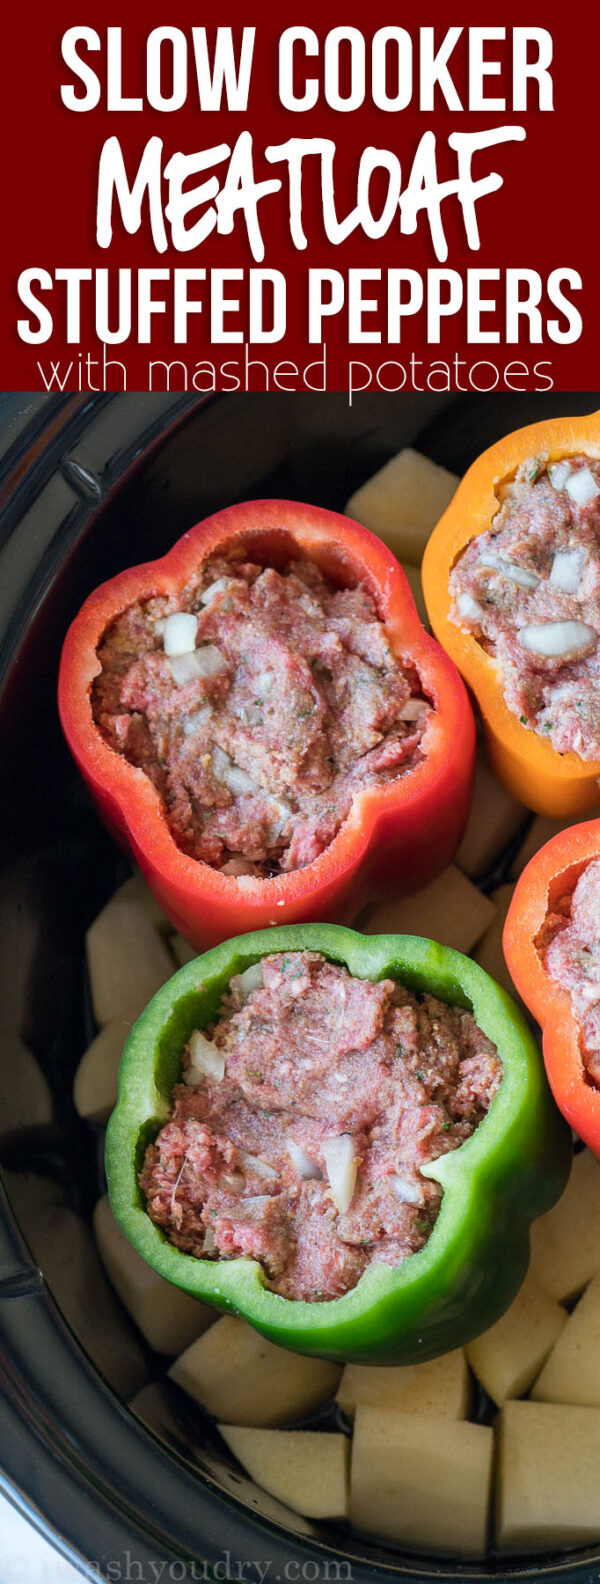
(512, 1168)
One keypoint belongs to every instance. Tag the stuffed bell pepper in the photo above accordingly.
(262, 718)
(552, 947)
(511, 578)
(341, 1138)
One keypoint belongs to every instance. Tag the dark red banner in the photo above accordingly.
(342, 202)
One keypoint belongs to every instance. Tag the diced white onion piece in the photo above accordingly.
(206, 1060)
(520, 575)
(204, 662)
(274, 828)
(509, 569)
(159, 627)
(412, 709)
(230, 775)
(251, 979)
(210, 1243)
(558, 473)
(567, 568)
(179, 636)
(282, 807)
(589, 994)
(255, 1164)
(238, 780)
(304, 1166)
(193, 723)
(221, 763)
(239, 868)
(559, 694)
(219, 586)
(232, 1182)
(582, 486)
(264, 682)
(407, 1192)
(184, 668)
(210, 661)
(341, 1166)
(563, 640)
(469, 607)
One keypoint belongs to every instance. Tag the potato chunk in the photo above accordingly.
(565, 1243)
(25, 1098)
(96, 1081)
(64, 1249)
(572, 1372)
(127, 960)
(450, 910)
(507, 1358)
(403, 502)
(547, 1476)
(136, 887)
(244, 1380)
(182, 951)
(489, 953)
(167, 1317)
(441, 1386)
(306, 1469)
(421, 1481)
(494, 819)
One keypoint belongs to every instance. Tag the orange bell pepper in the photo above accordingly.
(398, 834)
(530, 768)
(550, 875)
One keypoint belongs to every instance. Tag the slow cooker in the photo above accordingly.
(90, 484)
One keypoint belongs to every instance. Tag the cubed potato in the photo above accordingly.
(244, 1380)
(413, 574)
(494, 820)
(538, 833)
(440, 1387)
(565, 1243)
(450, 910)
(507, 1358)
(168, 1318)
(127, 959)
(403, 502)
(488, 952)
(547, 1476)
(421, 1481)
(97, 1078)
(306, 1469)
(25, 1098)
(136, 888)
(571, 1374)
(63, 1247)
(182, 951)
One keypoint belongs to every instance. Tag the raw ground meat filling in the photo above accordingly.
(570, 951)
(304, 1118)
(259, 703)
(529, 590)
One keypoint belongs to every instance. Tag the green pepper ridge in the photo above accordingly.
(512, 1169)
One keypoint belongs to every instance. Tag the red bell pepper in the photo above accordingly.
(551, 874)
(399, 833)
